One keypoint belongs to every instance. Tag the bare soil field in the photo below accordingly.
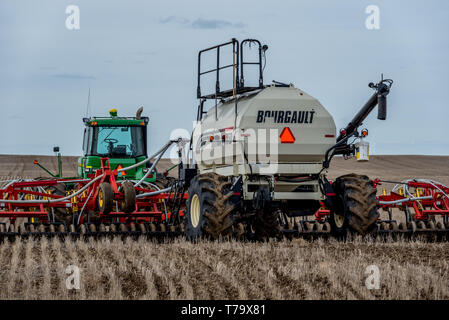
(116, 269)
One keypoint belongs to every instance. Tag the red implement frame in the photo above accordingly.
(148, 209)
(436, 202)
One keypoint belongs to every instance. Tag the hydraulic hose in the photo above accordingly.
(405, 200)
(138, 164)
(54, 200)
(161, 153)
(142, 195)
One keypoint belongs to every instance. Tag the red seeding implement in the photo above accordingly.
(425, 204)
(98, 205)
(102, 206)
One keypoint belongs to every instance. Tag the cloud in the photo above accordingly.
(201, 23)
(173, 19)
(72, 76)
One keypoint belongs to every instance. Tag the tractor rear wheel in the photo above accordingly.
(209, 209)
(105, 197)
(356, 207)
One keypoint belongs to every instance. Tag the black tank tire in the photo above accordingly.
(356, 207)
(266, 222)
(105, 197)
(209, 211)
(128, 204)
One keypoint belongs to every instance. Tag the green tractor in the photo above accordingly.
(121, 139)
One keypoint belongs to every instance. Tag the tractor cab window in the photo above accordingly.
(119, 141)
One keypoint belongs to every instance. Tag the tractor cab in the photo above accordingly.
(121, 139)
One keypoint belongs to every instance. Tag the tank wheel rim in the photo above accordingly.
(195, 210)
(339, 220)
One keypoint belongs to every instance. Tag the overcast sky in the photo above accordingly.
(143, 53)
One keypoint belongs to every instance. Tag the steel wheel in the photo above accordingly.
(412, 226)
(327, 227)
(420, 225)
(318, 227)
(308, 227)
(432, 236)
(299, 228)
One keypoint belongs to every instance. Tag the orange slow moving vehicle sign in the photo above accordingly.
(287, 136)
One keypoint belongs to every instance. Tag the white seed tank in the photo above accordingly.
(278, 125)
